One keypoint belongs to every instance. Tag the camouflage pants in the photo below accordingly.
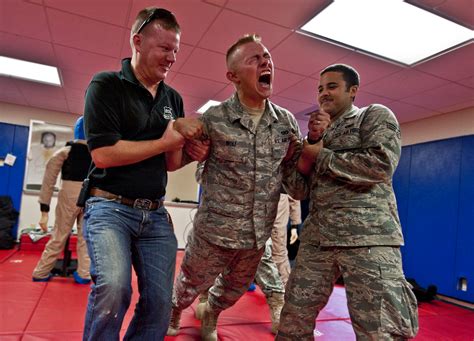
(267, 276)
(228, 272)
(381, 303)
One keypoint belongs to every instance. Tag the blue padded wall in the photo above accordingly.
(464, 266)
(7, 134)
(432, 213)
(401, 186)
(13, 140)
(434, 185)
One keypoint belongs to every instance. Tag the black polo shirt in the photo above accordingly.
(118, 107)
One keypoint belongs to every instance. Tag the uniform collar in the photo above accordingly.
(349, 113)
(237, 112)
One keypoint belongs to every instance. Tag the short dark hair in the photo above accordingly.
(166, 18)
(349, 74)
(245, 39)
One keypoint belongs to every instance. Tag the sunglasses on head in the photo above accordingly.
(157, 13)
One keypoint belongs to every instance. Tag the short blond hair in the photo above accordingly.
(247, 38)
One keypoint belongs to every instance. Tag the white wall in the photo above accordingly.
(182, 184)
(20, 115)
(458, 123)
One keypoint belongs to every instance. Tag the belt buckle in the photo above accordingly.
(144, 204)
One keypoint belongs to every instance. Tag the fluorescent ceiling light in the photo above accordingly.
(28, 70)
(206, 106)
(392, 29)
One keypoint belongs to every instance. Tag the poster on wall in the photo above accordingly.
(44, 140)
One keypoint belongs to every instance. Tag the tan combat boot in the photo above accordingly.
(201, 307)
(173, 327)
(275, 302)
(209, 324)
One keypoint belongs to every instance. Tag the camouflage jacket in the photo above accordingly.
(242, 178)
(352, 202)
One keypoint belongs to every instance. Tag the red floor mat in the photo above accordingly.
(18, 302)
(5, 254)
(55, 311)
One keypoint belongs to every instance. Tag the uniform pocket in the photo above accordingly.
(399, 306)
(230, 152)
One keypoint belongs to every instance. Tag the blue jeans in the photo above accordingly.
(119, 237)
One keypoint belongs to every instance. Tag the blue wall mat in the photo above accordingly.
(13, 140)
(7, 134)
(464, 266)
(20, 147)
(433, 213)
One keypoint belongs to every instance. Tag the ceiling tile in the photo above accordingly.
(9, 92)
(294, 107)
(443, 97)
(76, 80)
(196, 87)
(224, 94)
(369, 68)
(454, 65)
(28, 88)
(24, 19)
(194, 16)
(74, 94)
(469, 81)
(364, 99)
(235, 25)
(84, 62)
(93, 36)
(183, 55)
(192, 104)
(407, 112)
(75, 107)
(459, 106)
(284, 79)
(24, 48)
(108, 11)
(219, 3)
(304, 91)
(304, 55)
(278, 11)
(411, 82)
(460, 11)
(206, 64)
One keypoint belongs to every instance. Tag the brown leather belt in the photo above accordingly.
(140, 203)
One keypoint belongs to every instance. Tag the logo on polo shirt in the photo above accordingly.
(168, 113)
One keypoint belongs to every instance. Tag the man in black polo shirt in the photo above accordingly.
(135, 130)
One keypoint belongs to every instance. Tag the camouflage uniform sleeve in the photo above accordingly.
(199, 170)
(294, 183)
(53, 167)
(377, 157)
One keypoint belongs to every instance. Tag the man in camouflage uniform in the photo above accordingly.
(267, 277)
(252, 141)
(353, 227)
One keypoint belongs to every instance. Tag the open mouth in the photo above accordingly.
(265, 80)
